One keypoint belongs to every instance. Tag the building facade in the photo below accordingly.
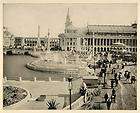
(8, 38)
(97, 38)
(35, 42)
(54, 42)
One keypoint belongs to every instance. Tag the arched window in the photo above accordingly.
(108, 49)
(104, 48)
(98, 49)
(95, 49)
(101, 49)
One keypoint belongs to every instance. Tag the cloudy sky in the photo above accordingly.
(23, 19)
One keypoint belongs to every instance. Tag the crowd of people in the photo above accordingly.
(117, 75)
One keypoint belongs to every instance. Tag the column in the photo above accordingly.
(48, 48)
(22, 44)
(20, 79)
(92, 45)
(109, 42)
(78, 44)
(50, 79)
(34, 79)
(104, 42)
(100, 42)
(5, 79)
(64, 79)
(131, 42)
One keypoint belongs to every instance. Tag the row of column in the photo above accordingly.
(106, 42)
(101, 49)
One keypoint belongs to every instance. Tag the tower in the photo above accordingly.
(68, 21)
(48, 47)
(38, 36)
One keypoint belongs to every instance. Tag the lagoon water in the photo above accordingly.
(14, 67)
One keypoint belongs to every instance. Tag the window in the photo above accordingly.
(95, 42)
(107, 49)
(127, 42)
(101, 49)
(67, 48)
(104, 42)
(114, 40)
(101, 41)
(107, 42)
(95, 49)
(98, 41)
(91, 41)
(104, 48)
(111, 41)
(120, 40)
(81, 41)
(98, 49)
(67, 43)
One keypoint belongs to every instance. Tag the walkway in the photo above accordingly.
(126, 98)
(54, 89)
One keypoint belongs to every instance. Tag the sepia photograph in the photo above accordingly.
(69, 56)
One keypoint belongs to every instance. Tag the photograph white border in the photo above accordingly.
(68, 1)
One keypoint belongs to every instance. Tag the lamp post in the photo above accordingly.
(93, 55)
(70, 87)
(104, 72)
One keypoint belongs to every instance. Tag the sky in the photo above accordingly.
(23, 19)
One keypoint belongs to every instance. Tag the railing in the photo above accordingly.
(20, 78)
(35, 79)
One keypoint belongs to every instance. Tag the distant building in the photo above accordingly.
(29, 42)
(97, 38)
(8, 38)
(32, 42)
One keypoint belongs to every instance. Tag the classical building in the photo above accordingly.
(97, 38)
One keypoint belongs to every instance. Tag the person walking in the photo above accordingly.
(125, 74)
(31, 95)
(120, 75)
(108, 103)
(113, 70)
(115, 76)
(133, 79)
(113, 91)
(128, 76)
(116, 81)
(122, 66)
(112, 84)
(109, 65)
(113, 97)
(106, 97)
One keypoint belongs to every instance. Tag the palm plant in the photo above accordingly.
(52, 104)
